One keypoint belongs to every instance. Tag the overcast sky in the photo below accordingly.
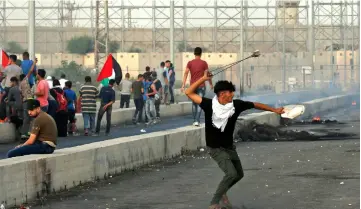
(48, 17)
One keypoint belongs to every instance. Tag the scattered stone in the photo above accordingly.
(342, 183)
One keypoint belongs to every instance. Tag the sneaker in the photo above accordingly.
(86, 132)
(154, 122)
(196, 124)
(148, 123)
(95, 134)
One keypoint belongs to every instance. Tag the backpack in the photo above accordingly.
(62, 102)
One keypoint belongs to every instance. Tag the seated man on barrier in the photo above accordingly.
(221, 114)
(43, 135)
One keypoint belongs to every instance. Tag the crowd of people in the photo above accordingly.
(45, 109)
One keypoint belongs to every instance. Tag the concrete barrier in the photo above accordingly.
(8, 133)
(29, 177)
(120, 116)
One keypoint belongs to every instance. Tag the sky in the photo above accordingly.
(142, 17)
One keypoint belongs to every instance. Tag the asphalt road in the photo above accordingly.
(287, 175)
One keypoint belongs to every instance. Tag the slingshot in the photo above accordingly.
(223, 68)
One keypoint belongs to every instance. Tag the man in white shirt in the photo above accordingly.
(125, 90)
(49, 79)
(163, 76)
(62, 80)
(12, 70)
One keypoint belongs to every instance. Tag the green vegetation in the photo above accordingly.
(73, 72)
(134, 50)
(181, 47)
(85, 44)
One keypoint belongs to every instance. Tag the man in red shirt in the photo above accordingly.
(196, 67)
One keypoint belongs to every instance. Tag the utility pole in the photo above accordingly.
(101, 33)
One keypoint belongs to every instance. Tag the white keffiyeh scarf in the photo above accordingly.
(221, 113)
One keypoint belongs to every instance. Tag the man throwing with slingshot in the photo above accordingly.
(221, 114)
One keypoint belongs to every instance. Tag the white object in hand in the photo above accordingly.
(2, 206)
(293, 111)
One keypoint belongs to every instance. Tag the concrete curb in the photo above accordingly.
(27, 178)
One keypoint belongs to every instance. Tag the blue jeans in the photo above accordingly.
(150, 109)
(38, 147)
(196, 109)
(89, 121)
(139, 103)
(44, 108)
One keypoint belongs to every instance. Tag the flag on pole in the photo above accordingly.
(110, 70)
(4, 59)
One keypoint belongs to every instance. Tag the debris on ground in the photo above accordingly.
(264, 132)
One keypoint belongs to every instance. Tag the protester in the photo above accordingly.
(61, 116)
(124, 88)
(138, 90)
(161, 76)
(88, 94)
(14, 100)
(196, 67)
(221, 114)
(62, 81)
(42, 139)
(26, 67)
(53, 105)
(171, 73)
(146, 84)
(149, 105)
(166, 82)
(147, 73)
(12, 70)
(107, 98)
(42, 90)
(158, 96)
(50, 79)
(71, 107)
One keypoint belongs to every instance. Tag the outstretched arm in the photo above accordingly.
(264, 107)
(190, 92)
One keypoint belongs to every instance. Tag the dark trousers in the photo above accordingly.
(108, 117)
(26, 119)
(124, 99)
(71, 121)
(171, 91)
(61, 119)
(229, 162)
(139, 104)
(53, 106)
(157, 108)
(38, 147)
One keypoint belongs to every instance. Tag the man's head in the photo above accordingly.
(198, 51)
(14, 81)
(33, 107)
(162, 64)
(62, 76)
(88, 79)
(140, 77)
(224, 91)
(167, 64)
(111, 82)
(127, 76)
(147, 69)
(56, 82)
(68, 84)
(41, 74)
(25, 55)
(13, 58)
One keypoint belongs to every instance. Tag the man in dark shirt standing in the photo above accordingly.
(107, 97)
(221, 114)
(138, 90)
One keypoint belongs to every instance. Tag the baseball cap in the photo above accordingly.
(32, 104)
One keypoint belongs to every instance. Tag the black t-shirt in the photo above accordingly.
(158, 85)
(214, 137)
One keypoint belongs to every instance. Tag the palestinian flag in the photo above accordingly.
(110, 70)
(4, 59)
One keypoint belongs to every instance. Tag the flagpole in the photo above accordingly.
(31, 29)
